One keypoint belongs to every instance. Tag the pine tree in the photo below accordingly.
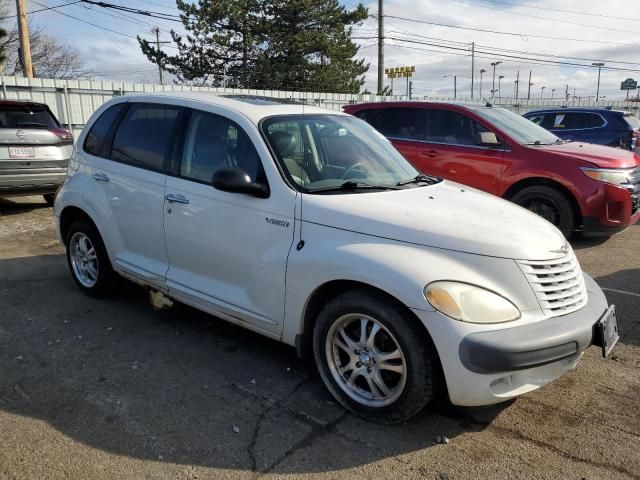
(269, 44)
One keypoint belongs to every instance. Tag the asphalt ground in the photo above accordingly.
(104, 389)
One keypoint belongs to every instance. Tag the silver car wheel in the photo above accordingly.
(84, 259)
(365, 360)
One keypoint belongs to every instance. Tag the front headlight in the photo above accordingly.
(469, 303)
(619, 176)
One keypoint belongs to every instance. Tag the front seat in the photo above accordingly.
(286, 145)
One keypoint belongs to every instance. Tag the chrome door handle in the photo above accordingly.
(100, 177)
(174, 198)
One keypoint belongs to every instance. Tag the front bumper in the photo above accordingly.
(486, 366)
(610, 210)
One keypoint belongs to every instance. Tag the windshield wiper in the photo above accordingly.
(419, 179)
(350, 186)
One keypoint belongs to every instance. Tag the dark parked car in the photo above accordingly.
(603, 126)
(34, 150)
(573, 185)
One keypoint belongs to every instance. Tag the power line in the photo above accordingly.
(42, 9)
(573, 12)
(523, 36)
(88, 23)
(544, 18)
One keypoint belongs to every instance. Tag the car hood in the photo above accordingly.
(599, 155)
(446, 215)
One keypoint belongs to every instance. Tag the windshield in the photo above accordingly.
(519, 128)
(320, 152)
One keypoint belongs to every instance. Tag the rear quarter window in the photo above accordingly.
(144, 135)
(100, 128)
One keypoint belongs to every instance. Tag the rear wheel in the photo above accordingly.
(550, 204)
(88, 260)
(49, 198)
(373, 359)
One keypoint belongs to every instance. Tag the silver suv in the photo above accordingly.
(34, 150)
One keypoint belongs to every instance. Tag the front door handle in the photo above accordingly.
(176, 198)
(430, 153)
(100, 177)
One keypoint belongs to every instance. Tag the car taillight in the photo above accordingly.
(62, 133)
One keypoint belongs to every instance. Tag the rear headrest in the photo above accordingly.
(284, 141)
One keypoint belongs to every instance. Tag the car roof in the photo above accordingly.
(577, 109)
(254, 107)
(21, 103)
(424, 103)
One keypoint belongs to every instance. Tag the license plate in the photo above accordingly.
(607, 331)
(21, 152)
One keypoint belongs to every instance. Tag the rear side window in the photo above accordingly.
(100, 129)
(453, 128)
(576, 121)
(27, 116)
(396, 122)
(144, 134)
(214, 142)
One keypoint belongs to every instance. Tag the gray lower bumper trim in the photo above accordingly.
(535, 344)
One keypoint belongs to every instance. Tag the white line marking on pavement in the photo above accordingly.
(621, 291)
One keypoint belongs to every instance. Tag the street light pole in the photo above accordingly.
(542, 92)
(499, 83)
(552, 90)
(599, 65)
(493, 83)
(482, 70)
(455, 85)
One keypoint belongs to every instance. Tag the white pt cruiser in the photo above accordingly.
(309, 227)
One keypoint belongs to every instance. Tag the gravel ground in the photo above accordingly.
(111, 389)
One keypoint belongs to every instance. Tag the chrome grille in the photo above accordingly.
(558, 284)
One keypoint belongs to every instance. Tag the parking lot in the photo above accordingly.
(113, 389)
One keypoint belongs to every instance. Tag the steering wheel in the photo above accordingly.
(350, 169)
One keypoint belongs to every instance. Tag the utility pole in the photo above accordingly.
(156, 30)
(482, 70)
(517, 84)
(473, 67)
(599, 65)
(566, 93)
(529, 89)
(493, 83)
(25, 43)
(380, 47)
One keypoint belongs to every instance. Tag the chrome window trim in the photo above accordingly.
(450, 144)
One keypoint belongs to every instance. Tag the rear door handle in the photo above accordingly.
(176, 198)
(100, 177)
(430, 153)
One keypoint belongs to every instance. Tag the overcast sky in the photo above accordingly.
(114, 56)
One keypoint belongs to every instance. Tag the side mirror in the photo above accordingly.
(236, 180)
(486, 139)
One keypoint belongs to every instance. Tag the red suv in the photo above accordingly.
(573, 185)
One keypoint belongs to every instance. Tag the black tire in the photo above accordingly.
(418, 351)
(49, 198)
(549, 203)
(106, 278)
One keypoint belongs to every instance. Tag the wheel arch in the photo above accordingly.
(536, 181)
(71, 214)
(331, 289)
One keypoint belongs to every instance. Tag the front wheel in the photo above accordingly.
(374, 359)
(550, 204)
